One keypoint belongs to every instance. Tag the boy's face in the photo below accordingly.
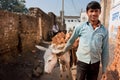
(93, 14)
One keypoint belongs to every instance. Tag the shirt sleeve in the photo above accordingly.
(73, 37)
(105, 53)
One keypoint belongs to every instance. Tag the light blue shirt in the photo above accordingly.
(93, 44)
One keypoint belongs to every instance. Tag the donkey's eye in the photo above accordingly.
(49, 60)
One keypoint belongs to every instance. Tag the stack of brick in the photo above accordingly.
(115, 66)
(59, 39)
(62, 38)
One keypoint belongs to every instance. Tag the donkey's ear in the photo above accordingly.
(41, 47)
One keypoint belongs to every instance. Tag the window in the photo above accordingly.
(68, 20)
(71, 20)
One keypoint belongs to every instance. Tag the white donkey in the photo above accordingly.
(50, 58)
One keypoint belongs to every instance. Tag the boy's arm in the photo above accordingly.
(73, 37)
(105, 54)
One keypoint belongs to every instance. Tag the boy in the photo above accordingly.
(93, 44)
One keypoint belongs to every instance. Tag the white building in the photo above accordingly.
(71, 22)
(115, 3)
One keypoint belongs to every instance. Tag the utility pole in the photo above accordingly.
(105, 5)
(62, 12)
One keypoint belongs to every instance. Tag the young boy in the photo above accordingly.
(93, 44)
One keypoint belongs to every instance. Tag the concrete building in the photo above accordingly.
(71, 21)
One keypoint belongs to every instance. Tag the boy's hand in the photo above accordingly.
(60, 54)
(103, 76)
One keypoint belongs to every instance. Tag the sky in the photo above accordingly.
(71, 7)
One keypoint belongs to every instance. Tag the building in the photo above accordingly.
(71, 21)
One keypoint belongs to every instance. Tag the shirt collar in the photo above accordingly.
(98, 24)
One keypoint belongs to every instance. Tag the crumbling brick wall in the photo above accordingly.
(46, 26)
(29, 32)
(8, 34)
(46, 23)
(18, 34)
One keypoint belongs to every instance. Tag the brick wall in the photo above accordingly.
(53, 18)
(46, 25)
(8, 34)
(46, 21)
(29, 32)
(18, 33)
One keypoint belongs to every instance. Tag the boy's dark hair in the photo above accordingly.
(93, 5)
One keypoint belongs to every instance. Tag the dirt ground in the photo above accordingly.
(32, 61)
(25, 66)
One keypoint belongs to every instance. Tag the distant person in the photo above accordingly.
(55, 29)
(93, 44)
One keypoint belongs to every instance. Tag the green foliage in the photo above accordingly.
(13, 6)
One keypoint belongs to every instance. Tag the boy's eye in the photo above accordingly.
(91, 11)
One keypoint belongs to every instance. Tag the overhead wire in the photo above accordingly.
(56, 7)
(76, 7)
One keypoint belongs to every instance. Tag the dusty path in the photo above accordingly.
(23, 69)
(24, 66)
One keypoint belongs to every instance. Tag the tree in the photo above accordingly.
(13, 5)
